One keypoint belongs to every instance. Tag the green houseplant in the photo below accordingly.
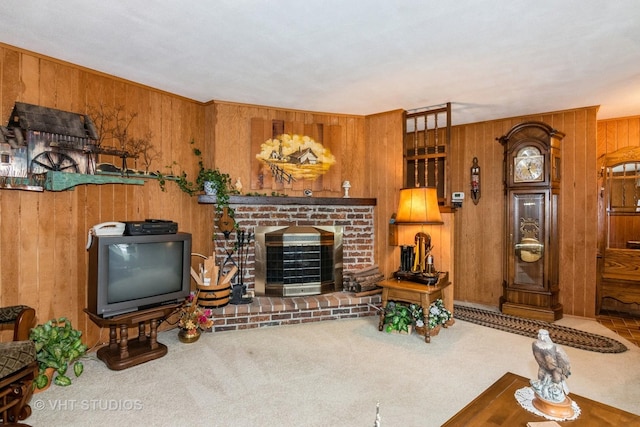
(57, 345)
(398, 317)
(217, 181)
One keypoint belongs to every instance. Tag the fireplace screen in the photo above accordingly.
(293, 261)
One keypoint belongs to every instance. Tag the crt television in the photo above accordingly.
(130, 273)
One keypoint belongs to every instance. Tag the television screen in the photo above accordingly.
(130, 273)
(137, 270)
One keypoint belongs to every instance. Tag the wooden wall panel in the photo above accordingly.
(613, 135)
(43, 235)
(383, 163)
(478, 258)
(9, 81)
(478, 235)
(42, 238)
(235, 133)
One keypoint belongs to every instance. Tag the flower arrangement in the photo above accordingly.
(438, 314)
(194, 317)
(416, 313)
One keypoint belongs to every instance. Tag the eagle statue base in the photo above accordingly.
(563, 410)
(550, 388)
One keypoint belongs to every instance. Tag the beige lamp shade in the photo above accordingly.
(418, 206)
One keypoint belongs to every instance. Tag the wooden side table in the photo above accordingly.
(413, 293)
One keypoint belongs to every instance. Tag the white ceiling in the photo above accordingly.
(491, 59)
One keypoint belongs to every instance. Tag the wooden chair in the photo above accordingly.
(18, 366)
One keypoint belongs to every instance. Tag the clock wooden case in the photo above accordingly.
(531, 254)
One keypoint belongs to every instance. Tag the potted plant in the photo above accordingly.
(214, 183)
(57, 345)
(398, 318)
(208, 180)
(438, 314)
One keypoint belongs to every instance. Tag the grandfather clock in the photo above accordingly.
(532, 256)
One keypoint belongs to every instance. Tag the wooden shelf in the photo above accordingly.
(60, 181)
(275, 200)
(21, 185)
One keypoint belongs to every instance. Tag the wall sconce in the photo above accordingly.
(475, 181)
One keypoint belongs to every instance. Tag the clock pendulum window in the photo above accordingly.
(531, 254)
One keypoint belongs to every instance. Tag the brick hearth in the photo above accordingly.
(275, 311)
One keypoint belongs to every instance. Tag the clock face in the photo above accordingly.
(528, 165)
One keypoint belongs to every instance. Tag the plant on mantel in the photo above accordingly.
(220, 182)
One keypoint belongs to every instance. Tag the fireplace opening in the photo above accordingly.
(298, 260)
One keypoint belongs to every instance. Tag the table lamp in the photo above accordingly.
(418, 205)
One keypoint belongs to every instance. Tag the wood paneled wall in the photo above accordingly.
(43, 235)
(479, 236)
(234, 153)
(613, 135)
(470, 244)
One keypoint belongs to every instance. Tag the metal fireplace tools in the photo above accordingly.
(239, 289)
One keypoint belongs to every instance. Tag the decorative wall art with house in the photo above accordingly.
(295, 157)
(40, 139)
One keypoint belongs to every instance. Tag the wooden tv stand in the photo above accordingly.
(124, 352)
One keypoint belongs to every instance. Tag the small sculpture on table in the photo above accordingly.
(550, 388)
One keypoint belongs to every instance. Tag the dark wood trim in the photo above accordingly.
(274, 200)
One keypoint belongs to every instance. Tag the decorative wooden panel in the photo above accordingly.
(622, 264)
(330, 136)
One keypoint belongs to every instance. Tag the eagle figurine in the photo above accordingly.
(553, 369)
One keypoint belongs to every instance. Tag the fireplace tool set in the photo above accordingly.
(227, 225)
(239, 290)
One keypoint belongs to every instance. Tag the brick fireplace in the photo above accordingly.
(355, 217)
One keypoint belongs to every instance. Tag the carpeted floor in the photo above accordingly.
(330, 373)
(559, 334)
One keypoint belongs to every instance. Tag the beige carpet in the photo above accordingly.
(323, 374)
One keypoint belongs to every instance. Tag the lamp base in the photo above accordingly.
(424, 278)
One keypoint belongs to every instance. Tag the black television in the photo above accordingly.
(131, 273)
